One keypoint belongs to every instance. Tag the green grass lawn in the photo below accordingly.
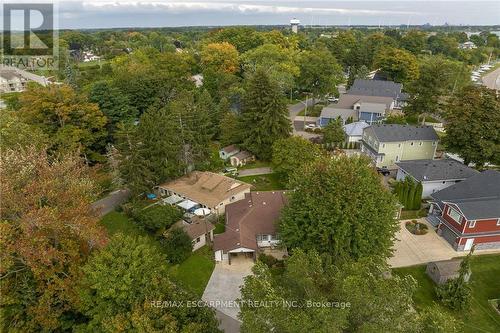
(412, 214)
(267, 182)
(485, 284)
(315, 112)
(195, 271)
(220, 227)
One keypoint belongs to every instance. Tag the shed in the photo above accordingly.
(444, 270)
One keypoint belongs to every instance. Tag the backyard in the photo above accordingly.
(267, 182)
(485, 285)
(192, 274)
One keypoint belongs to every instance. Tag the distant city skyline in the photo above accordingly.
(91, 14)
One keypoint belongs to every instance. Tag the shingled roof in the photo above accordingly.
(397, 133)
(377, 88)
(432, 170)
(478, 197)
(245, 219)
(206, 188)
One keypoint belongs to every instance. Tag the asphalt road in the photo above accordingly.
(255, 172)
(111, 201)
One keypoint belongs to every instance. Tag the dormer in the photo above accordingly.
(357, 105)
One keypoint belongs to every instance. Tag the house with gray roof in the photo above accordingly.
(468, 213)
(388, 144)
(354, 131)
(434, 175)
(379, 88)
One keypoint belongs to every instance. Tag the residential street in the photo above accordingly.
(492, 80)
(111, 201)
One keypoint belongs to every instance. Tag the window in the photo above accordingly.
(411, 144)
(383, 145)
(454, 215)
(399, 145)
(420, 143)
(472, 224)
(198, 240)
(397, 158)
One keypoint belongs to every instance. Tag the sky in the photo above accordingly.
(168, 13)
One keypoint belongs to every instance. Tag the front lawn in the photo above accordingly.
(194, 273)
(269, 182)
(413, 214)
(311, 112)
(485, 282)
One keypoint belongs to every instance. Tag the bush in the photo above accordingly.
(177, 244)
(454, 294)
(416, 228)
(157, 217)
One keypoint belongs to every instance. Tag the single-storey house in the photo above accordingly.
(228, 151)
(442, 271)
(199, 230)
(205, 189)
(434, 175)
(354, 131)
(468, 213)
(388, 144)
(241, 158)
(250, 225)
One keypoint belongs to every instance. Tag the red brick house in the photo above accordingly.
(468, 213)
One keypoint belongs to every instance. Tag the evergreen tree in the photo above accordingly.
(418, 196)
(411, 195)
(230, 130)
(264, 116)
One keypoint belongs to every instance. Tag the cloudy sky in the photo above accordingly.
(162, 13)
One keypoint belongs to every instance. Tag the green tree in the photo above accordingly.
(399, 65)
(15, 134)
(230, 129)
(339, 206)
(439, 77)
(67, 118)
(220, 57)
(157, 218)
(473, 125)
(279, 62)
(264, 116)
(414, 41)
(48, 231)
(456, 293)
(290, 153)
(320, 288)
(121, 282)
(151, 151)
(177, 245)
(418, 196)
(243, 38)
(333, 132)
(115, 105)
(319, 72)
(410, 199)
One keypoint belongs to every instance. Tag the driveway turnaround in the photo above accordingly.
(412, 249)
(223, 288)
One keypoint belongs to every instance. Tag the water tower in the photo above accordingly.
(295, 25)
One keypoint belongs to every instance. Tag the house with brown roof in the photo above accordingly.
(206, 189)
(199, 229)
(250, 225)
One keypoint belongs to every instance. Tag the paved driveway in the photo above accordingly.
(255, 171)
(413, 250)
(224, 285)
(111, 201)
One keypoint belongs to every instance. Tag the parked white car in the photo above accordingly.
(311, 126)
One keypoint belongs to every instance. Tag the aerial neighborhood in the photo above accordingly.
(271, 178)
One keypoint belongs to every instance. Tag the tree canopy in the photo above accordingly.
(340, 207)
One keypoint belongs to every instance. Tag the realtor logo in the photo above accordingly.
(29, 36)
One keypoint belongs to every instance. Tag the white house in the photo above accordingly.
(228, 151)
(434, 175)
(354, 131)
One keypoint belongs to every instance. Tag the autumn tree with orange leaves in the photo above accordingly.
(47, 232)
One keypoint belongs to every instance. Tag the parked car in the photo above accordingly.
(384, 171)
(332, 99)
(231, 171)
(311, 127)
